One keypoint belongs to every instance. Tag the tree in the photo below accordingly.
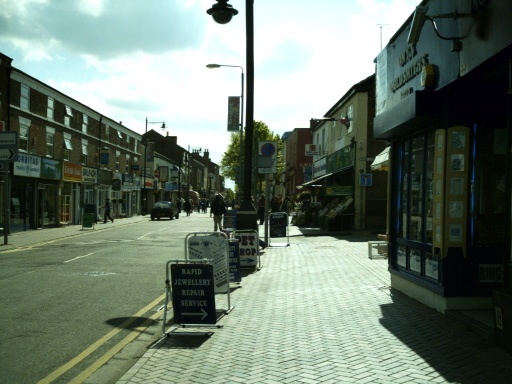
(232, 160)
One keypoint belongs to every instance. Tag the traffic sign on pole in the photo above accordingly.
(8, 146)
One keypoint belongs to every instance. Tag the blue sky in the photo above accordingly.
(132, 59)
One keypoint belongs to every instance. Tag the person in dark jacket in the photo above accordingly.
(218, 209)
(107, 211)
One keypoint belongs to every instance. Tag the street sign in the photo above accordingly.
(9, 140)
(8, 154)
(8, 146)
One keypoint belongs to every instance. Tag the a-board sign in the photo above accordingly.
(212, 247)
(88, 220)
(230, 219)
(278, 221)
(193, 296)
(91, 208)
(235, 275)
(248, 246)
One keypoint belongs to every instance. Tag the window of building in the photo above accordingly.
(127, 165)
(107, 132)
(85, 123)
(25, 97)
(24, 134)
(50, 107)
(349, 116)
(415, 201)
(50, 136)
(118, 156)
(67, 116)
(84, 152)
(68, 147)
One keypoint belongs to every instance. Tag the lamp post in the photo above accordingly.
(212, 66)
(143, 190)
(222, 14)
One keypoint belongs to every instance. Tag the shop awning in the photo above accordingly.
(381, 162)
(312, 182)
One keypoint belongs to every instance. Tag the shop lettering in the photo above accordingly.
(192, 292)
(28, 159)
(409, 73)
(192, 282)
(194, 303)
(407, 55)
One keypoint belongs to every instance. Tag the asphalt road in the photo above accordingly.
(68, 306)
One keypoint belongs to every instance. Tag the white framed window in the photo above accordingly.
(68, 146)
(85, 123)
(127, 165)
(67, 116)
(350, 115)
(118, 157)
(107, 132)
(24, 134)
(119, 135)
(25, 97)
(50, 107)
(84, 151)
(50, 137)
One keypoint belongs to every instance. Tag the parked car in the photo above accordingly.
(164, 209)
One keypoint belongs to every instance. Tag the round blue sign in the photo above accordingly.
(268, 149)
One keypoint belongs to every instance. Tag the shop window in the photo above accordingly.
(416, 189)
(488, 190)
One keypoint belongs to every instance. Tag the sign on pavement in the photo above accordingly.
(193, 296)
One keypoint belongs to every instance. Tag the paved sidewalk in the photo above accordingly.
(320, 311)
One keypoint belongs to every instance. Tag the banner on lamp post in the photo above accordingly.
(150, 152)
(233, 113)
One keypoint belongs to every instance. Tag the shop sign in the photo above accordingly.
(89, 175)
(51, 169)
(72, 172)
(27, 166)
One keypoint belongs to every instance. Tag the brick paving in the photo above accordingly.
(320, 311)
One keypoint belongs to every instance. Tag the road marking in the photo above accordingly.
(14, 277)
(89, 350)
(79, 257)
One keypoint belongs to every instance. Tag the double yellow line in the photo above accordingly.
(110, 353)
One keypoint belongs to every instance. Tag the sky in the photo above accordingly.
(135, 59)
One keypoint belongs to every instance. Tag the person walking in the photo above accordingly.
(218, 209)
(261, 209)
(107, 211)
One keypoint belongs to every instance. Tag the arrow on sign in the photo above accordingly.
(7, 154)
(203, 313)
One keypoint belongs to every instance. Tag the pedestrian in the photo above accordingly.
(261, 209)
(107, 211)
(188, 207)
(218, 208)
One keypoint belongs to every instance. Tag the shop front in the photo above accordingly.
(444, 105)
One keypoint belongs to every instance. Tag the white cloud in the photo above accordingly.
(131, 59)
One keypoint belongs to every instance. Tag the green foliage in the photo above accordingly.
(233, 158)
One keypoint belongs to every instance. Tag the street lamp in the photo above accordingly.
(143, 190)
(222, 13)
(212, 66)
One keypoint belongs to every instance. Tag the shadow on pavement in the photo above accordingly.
(445, 344)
